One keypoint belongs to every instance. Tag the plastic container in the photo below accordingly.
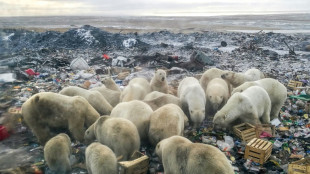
(79, 64)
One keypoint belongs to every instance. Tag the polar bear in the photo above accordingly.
(159, 81)
(236, 79)
(110, 84)
(158, 101)
(100, 159)
(137, 112)
(210, 74)
(110, 95)
(277, 93)
(136, 89)
(94, 98)
(57, 153)
(251, 106)
(193, 100)
(179, 155)
(217, 94)
(165, 122)
(46, 112)
(119, 134)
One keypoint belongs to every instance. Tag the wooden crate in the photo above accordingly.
(266, 128)
(300, 167)
(258, 150)
(294, 84)
(138, 164)
(245, 131)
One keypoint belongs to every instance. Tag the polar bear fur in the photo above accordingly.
(100, 159)
(153, 95)
(159, 81)
(277, 93)
(193, 100)
(137, 112)
(165, 122)
(251, 106)
(237, 79)
(110, 95)
(217, 94)
(47, 111)
(94, 98)
(136, 89)
(57, 153)
(210, 74)
(159, 99)
(181, 156)
(110, 84)
(119, 134)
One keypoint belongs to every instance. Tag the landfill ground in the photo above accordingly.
(126, 55)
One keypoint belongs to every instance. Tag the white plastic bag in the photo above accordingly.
(79, 64)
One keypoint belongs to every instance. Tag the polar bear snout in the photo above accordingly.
(163, 78)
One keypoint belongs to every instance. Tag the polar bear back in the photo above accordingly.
(100, 159)
(57, 152)
(94, 98)
(119, 134)
(137, 112)
(258, 97)
(254, 74)
(136, 89)
(165, 122)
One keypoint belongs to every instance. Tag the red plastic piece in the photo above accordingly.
(3, 133)
(105, 56)
(31, 72)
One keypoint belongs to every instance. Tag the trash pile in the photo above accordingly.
(32, 62)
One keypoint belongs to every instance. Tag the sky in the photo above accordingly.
(148, 7)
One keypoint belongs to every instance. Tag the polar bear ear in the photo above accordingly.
(36, 99)
(102, 119)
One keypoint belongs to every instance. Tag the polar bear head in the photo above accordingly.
(215, 97)
(197, 116)
(160, 75)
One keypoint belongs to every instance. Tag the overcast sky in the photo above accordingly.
(148, 7)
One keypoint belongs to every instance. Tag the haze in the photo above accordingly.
(149, 8)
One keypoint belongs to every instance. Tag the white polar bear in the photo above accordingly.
(250, 106)
(277, 93)
(165, 122)
(159, 81)
(193, 100)
(100, 159)
(57, 153)
(137, 112)
(217, 94)
(136, 89)
(94, 98)
(181, 156)
(210, 74)
(236, 79)
(119, 134)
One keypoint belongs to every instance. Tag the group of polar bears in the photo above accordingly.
(145, 112)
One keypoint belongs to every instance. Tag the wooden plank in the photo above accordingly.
(252, 141)
(263, 145)
(269, 145)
